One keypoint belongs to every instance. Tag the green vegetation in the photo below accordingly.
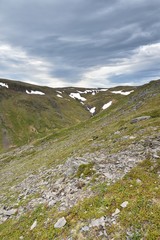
(85, 170)
(71, 133)
(24, 117)
(140, 217)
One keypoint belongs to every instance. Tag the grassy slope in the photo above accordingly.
(141, 215)
(26, 117)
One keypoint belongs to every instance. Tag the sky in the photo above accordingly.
(80, 43)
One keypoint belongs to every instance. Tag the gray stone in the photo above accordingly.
(3, 219)
(124, 204)
(156, 156)
(62, 208)
(97, 222)
(132, 137)
(135, 120)
(9, 212)
(33, 225)
(117, 132)
(60, 223)
(1, 211)
(51, 203)
(138, 181)
(117, 211)
(85, 228)
(100, 234)
(125, 137)
(105, 233)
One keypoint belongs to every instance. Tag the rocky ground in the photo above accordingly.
(64, 185)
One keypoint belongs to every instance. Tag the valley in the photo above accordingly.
(79, 163)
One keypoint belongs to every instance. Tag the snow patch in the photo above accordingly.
(59, 92)
(93, 91)
(122, 93)
(35, 92)
(85, 92)
(88, 91)
(77, 96)
(92, 110)
(107, 105)
(3, 85)
(58, 95)
(103, 90)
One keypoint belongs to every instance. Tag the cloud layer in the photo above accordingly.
(80, 43)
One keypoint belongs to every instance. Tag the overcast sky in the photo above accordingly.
(87, 43)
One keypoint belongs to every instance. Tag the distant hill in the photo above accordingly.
(28, 112)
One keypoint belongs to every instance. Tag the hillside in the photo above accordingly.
(86, 174)
(29, 112)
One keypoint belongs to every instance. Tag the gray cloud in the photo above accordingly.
(72, 38)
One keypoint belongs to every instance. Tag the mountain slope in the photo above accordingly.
(83, 173)
(25, 117)
(29, 112)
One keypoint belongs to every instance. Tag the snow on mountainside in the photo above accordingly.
(58, 95)
(37, 110)
(3, 85)
(122, 93)
(77, 96)
(107, 105)
(92, 92)
(35, 92)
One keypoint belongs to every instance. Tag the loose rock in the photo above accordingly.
(138, 181)
(60, 223)
(33, 225)
(134, 120)
(117, 211)
(97, 222)
(85, 228)
(124, 204)
(51, 203)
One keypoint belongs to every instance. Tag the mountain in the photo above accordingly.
(29, 112)
(81, 173)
